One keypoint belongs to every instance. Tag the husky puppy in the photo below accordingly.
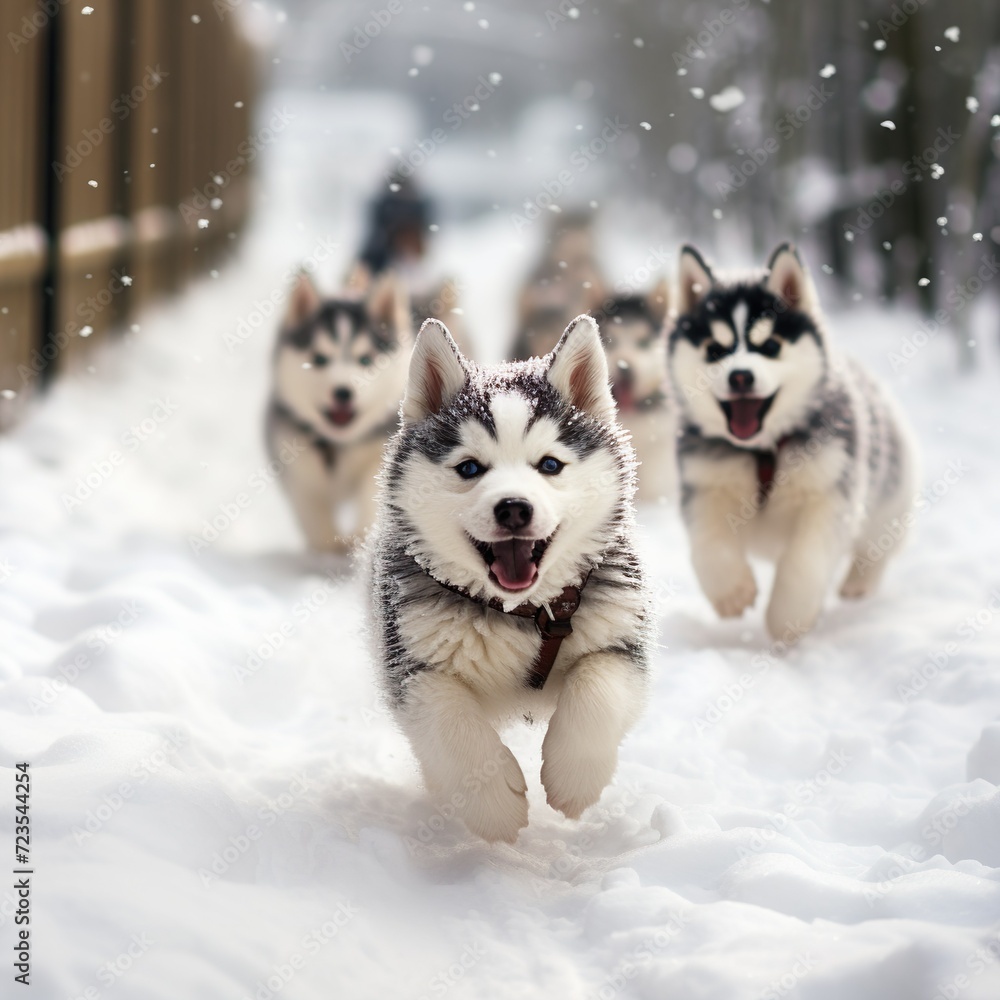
(339, 373)
(634, 334)
(505, 583)
(787, 449)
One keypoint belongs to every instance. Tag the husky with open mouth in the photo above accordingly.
(787, 450)
(633, 328)
(339, 372)
(505, 583)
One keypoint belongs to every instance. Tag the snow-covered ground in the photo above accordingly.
(222, 809)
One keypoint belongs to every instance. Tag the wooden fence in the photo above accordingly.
(117, 119)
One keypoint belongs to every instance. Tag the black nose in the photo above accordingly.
(741, 380)
(513, 514)
(342, 394)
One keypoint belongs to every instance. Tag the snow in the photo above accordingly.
(221, 807)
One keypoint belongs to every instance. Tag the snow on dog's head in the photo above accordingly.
(510, 481)
(746, 357)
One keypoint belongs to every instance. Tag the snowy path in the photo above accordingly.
(222, 809)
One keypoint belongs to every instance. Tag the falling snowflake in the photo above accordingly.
(86, 331)
(879, 44)
(87, 10)
(645, 125)
(936, 170)
(203, 223)
(127, 280)
(972, 104)
(7, 393)
(727, 99)
(977, 237)
(942, 220)
(93, 184)
(827, 71)
(890, 125)
(697, 93)
(924, 282)
(952, 34)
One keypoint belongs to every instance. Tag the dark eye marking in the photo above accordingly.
(470, 469)
(715, 351)
(320, 360)
(771, 347)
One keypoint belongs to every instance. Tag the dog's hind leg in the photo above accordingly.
(307, 483)
(600, 700)
(463, 760)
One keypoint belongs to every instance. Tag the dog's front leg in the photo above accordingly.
(714, 522)
(601, 698)
(307, 483)
(818, 541)
(462, 758)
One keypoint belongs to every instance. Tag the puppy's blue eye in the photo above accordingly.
(365, 360)
(550, 466)
(770, 348)
(320, 361)
(470, 469)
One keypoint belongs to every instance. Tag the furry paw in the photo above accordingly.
(738, 595)
(496, 804)
(574, 782)
(790, 616)
(860, 581)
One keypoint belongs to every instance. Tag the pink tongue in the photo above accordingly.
(744, 417)
(622, 391)
(512, 564)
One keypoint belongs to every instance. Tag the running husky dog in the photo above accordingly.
(504, 578)
(787, 449)
(634, 334)
(339, 373)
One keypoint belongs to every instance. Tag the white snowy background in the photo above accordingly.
(222, 808)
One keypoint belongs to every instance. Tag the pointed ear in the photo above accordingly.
(389, 304)
(694, 279)
(579, 369)
(790, 281)
(658, 301)
(302, 303)
(437, 372)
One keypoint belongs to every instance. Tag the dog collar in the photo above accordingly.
(326, 447)
(767, 465)
(553, 621)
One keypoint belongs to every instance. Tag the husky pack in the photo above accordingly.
(504, 579)
(787, 450)
(339, 373)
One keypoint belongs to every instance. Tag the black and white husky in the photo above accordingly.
(787, 449)
(633, 328)
(504, 579)
(339, 373)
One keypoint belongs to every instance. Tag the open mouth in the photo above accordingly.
(513, 562)
(745, 414)
(621, 389)
(340, 416)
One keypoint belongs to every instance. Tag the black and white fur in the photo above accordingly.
(759, 381)
(540, 438)
(339, 373)
(634, 330)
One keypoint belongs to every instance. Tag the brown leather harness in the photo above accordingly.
(553, 620)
